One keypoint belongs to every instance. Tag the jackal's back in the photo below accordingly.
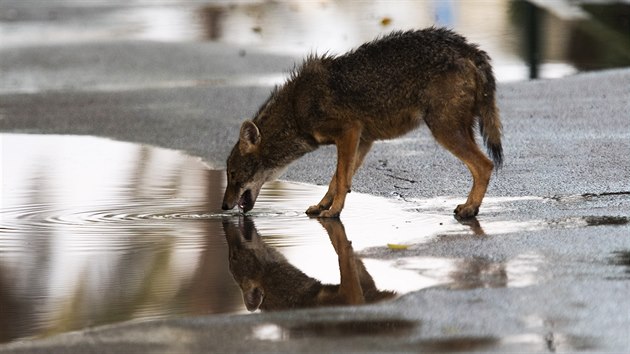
(393, 71)
(391, 82)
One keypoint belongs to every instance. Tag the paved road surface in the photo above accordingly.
(559, 208)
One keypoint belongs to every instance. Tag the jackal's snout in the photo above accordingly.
(226, 206)
(244, 199)
(230, 198)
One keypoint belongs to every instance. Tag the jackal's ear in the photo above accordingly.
(250, 137)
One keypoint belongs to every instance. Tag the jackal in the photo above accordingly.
(381, 90)
(269, 282)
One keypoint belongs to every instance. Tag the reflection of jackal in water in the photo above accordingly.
(269, 282)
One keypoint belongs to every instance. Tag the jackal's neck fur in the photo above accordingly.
(284, 129)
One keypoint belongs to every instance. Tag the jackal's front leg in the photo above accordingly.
(347, 148)
(326, 201)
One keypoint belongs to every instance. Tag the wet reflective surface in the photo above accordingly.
(568, 36)
(95, 231)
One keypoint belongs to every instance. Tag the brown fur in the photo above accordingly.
(381, 90)
(269, 282)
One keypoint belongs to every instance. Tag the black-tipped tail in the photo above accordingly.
(489, 122)
(496, 154)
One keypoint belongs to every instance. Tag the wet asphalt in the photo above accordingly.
(560, 206)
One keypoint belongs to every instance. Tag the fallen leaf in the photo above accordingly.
(394, 246)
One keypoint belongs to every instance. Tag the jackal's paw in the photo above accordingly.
(329, 214)
(314, 210)
(464, 211)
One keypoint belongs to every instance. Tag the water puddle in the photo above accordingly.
(95, 231)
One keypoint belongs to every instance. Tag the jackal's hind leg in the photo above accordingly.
(461, 143)
(481, 168)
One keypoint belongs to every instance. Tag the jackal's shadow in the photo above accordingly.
(269, 282)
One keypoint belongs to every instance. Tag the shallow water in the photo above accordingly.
(95, 231)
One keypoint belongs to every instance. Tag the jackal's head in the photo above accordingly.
(246, 172)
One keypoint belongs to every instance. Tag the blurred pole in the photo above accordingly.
(444, 11)
(532, 38)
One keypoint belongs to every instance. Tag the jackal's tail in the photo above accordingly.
(489, 122)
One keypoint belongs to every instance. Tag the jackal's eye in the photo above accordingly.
(232, 180)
